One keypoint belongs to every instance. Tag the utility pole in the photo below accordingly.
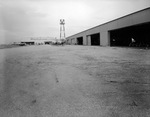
(62, 29)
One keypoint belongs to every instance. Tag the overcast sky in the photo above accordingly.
(33, 18)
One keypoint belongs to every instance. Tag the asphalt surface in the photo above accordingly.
(74, 81)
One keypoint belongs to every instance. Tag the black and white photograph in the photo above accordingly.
(74, 58)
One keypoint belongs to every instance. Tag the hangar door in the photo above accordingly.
(80, 41)
(133, 36)
(95, 39)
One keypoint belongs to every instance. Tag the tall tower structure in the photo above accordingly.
(62, 29)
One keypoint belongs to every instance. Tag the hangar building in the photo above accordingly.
(118, 32)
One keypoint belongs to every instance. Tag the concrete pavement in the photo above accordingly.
(74, 81)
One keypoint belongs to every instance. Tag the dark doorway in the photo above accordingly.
(80, 40)
(95, 39)
(133, 36)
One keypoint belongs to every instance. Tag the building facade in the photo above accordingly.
(118, 32)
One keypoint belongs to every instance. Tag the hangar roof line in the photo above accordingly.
(111, 21)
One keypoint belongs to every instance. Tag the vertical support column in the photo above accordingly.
(104, 38)
(71, 41)
(75, 41)
(89, 40)
(84, 40)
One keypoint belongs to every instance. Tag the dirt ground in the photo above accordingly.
(74, 81)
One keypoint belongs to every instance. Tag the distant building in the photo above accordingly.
(28, 42)
(48, 42)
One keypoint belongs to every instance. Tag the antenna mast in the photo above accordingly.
(62, 29)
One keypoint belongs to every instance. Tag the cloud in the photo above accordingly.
(21, 18)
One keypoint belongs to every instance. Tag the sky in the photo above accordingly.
(21, 19)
